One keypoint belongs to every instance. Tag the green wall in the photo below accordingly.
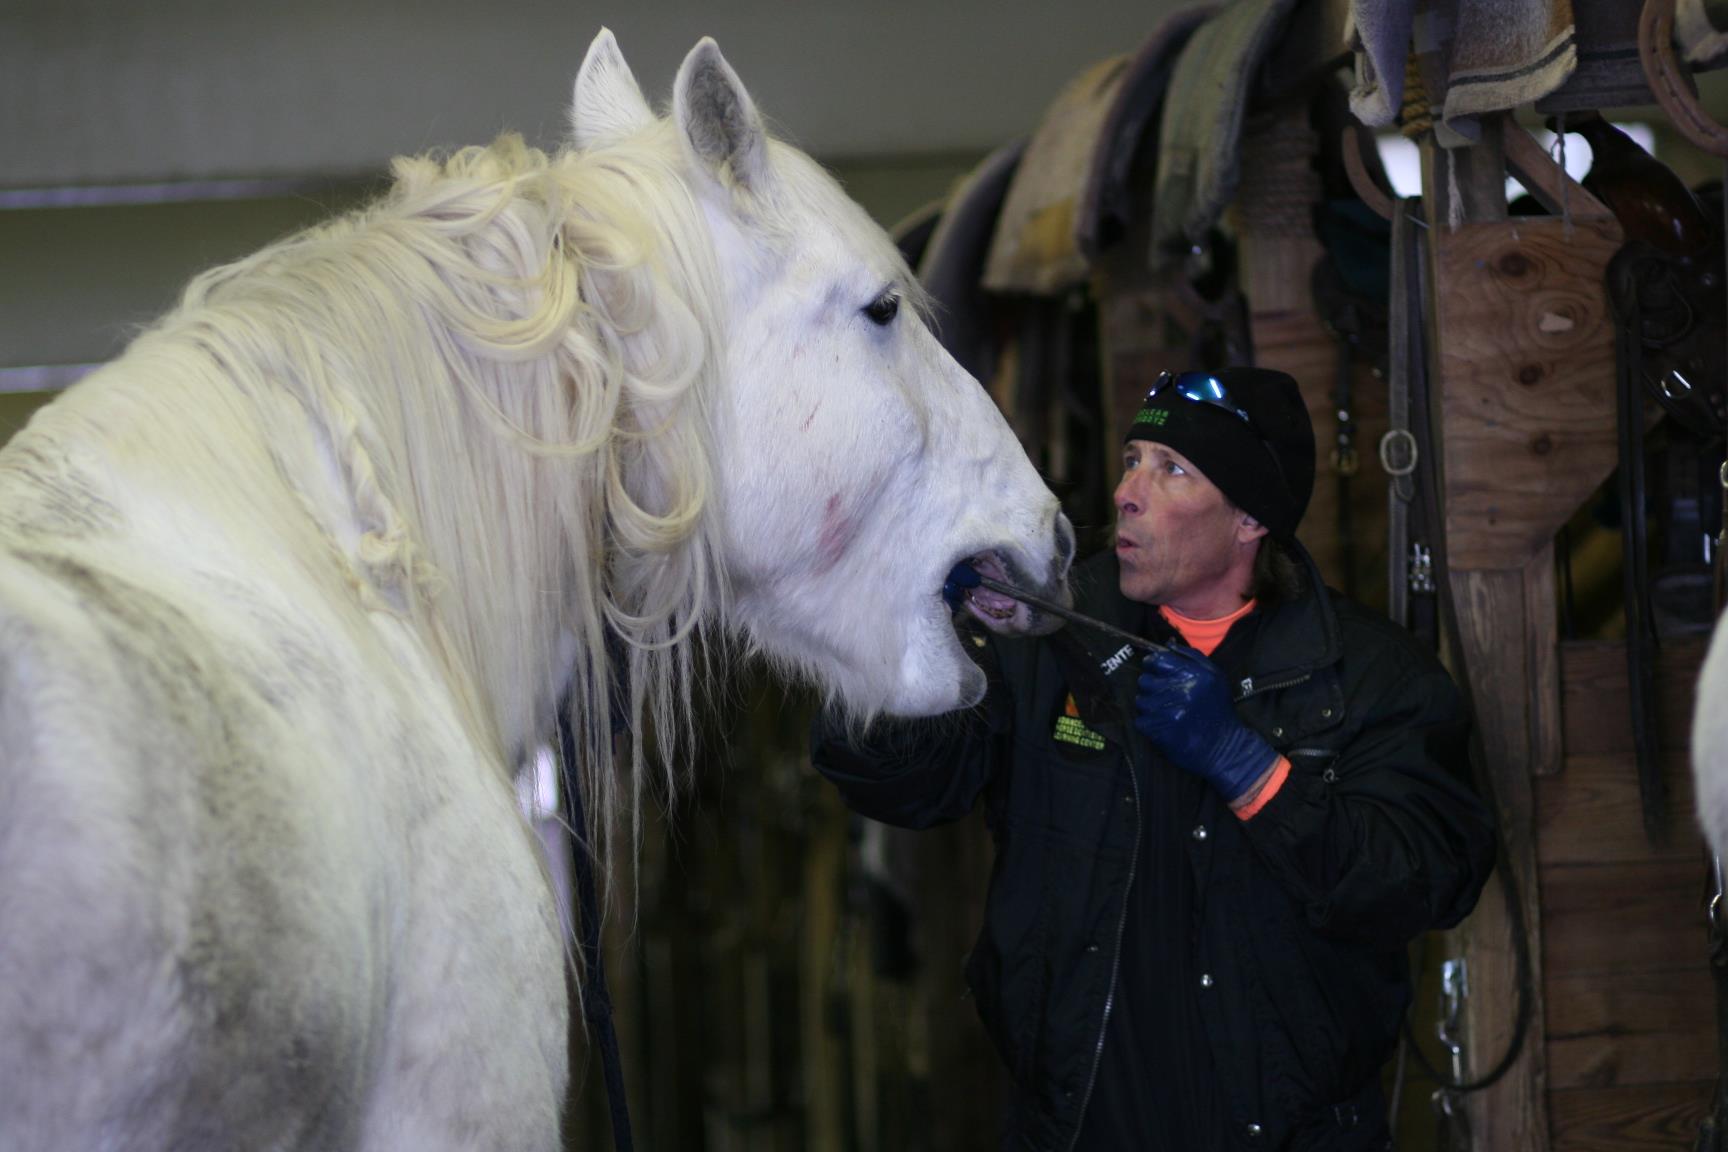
(77, 282)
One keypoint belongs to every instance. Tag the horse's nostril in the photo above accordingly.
(1064, 542)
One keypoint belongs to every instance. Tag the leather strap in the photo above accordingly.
(1409, 571)
(1640, 632)
(596, 999)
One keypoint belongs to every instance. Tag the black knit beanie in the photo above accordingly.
(1265, 465)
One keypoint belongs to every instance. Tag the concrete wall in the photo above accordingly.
(110, 91)
(77, 282)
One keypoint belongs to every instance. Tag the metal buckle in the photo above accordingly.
(1404, 464)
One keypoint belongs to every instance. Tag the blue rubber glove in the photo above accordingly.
(1184, 708)
(961, 578)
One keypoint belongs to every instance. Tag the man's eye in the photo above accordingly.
(883, 309)
(1172, 467)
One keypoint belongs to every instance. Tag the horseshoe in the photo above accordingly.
(1671, 82)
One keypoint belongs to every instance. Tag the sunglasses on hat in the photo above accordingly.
(1205, 388)
(1202, 388)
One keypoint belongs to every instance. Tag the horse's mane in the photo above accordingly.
(507, 356)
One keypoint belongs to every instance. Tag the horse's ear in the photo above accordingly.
(608, 105)
(717, 119)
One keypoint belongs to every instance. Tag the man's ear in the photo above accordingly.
(1249, 529)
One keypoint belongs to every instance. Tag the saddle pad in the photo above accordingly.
(1106, 206)
(954, 258)
(1034, 249)
(912, 233)
(1202, 121)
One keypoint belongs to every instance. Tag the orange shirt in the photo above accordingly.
(1205, 636)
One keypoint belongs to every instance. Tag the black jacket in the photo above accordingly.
(1300, 914)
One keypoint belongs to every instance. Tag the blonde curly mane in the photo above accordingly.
(507, 357)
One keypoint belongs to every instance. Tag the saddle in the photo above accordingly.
(911, 235)
(1072, 199)
(951, 266)
(1198, 162)
(1014, 262)
(1665, 286)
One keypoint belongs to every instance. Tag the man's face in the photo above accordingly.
(1179, 541)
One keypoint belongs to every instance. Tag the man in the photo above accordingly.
(1209, 863)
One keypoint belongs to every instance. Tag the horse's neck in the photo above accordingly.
(170, 465)
(183, 481)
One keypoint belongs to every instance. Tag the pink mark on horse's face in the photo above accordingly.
(805, 427)
(837, 531)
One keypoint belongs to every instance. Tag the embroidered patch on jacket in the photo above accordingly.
(1070, 729)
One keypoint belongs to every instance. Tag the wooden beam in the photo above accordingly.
(1558, 193)
(1503, 602)
(1477, 173)
(1629, 916)
(1629, 1027)
(1589, 813)
(821, 1057)
(1594, 672)
(1509, 1116)
(1643, 1118)
(1542, 662)
(1525, 357)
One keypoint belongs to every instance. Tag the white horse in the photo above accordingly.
(1710, 743)
(287, 589)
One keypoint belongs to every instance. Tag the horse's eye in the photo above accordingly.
(883, 309)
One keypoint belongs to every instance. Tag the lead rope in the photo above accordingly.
(596, 1000)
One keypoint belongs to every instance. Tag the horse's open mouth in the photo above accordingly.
(987, 605)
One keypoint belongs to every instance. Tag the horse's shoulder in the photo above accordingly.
(44, 625)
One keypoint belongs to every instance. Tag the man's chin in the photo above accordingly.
(1136, 587)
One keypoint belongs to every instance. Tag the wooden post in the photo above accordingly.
(1273, 213)
(1513, 1113)
(822, 1060)
(1542, 660)
(1523, 364)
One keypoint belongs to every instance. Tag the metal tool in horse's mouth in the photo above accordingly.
(1068, 614)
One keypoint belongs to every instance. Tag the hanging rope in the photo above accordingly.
(1416, 118)
(1415, 114)
(1280, 186)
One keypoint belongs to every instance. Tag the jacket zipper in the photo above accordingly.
(1249, 686)
(1115, 961)
(1251, 689)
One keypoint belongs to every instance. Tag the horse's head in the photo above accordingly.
(855, 462)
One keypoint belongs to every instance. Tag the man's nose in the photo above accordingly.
(1126, 502)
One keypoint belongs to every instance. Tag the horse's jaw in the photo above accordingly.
(918, 662)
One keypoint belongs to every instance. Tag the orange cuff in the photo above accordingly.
(1259, 799)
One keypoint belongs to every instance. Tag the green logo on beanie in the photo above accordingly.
(1152, 416)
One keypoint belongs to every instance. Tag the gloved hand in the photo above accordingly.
(1184, 708)
(961, 578)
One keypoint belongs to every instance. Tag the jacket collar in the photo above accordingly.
(1297, 638)
(1300, 637)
